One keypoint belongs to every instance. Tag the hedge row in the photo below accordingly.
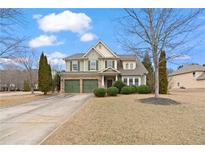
(113, 91)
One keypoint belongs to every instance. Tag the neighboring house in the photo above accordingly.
(188, 76)
(100, 67)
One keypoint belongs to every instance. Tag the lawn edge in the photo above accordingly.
(64, 121)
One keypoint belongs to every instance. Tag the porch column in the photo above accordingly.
(140, 80)
(116, 78)
(103, 84)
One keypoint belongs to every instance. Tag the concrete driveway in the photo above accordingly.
(30, 123)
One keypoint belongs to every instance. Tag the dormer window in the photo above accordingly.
(127, 66)
(131, 65)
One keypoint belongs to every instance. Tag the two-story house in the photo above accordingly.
(100, 67)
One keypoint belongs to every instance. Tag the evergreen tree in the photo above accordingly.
(148, 65)
(50, 80)
(44, 75)
(163, 82)
(56, 83)
(26, 86)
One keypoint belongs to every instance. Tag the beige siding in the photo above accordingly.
(129, 62)
(186, 80)
(102, 49)
(85, 65)
(81, 65)
(67, 66)
(93, 55)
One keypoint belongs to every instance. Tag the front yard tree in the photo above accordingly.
(148, 65)
(163, 82)
(155, 30)
(44, 82)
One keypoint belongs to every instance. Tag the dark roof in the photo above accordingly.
(75, 56)
(189, 68)
(201, 77)
(127, 57)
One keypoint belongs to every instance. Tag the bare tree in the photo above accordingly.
(9, 42)
(29, 61)
(154, 30)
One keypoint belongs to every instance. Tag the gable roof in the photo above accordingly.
(109, 70)
(201, 77)
(92, 48)
(127, 57)
(188, 68)
(75, 56)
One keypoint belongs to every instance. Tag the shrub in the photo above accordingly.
(133, 88)
(119, 84)
(143, 89)
(126, 90)
(112, 91)
(99, 92)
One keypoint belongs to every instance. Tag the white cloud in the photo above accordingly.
(10, 61)
(183, 57)
(88, 37)
(56, 58)
(37, 16)
(65, 21)
(44, 40)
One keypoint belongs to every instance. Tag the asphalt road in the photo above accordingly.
(31, 122)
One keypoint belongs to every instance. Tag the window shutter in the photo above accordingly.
(113, 64)
(71, 66)
(88, 65)
(96, 64)
(106, 64)
(78, 65)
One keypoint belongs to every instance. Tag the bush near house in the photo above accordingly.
(133, 89)
(143, 89)
(126, 90)
(99, 92)
(112, 91)
(119, 84)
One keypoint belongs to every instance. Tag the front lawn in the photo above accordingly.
(126, 120)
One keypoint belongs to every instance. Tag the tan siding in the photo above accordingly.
(104, 50)
(67, 66)
(81, 66)
(186, 80)
(85, 65)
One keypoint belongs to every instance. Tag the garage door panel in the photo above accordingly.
(72, 86)
(89, 85)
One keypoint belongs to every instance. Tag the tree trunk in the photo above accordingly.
(156, 85)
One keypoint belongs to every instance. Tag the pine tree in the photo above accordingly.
(44, 75)
(26, 86)
(50, 80)
(148, 65)
(163, 82)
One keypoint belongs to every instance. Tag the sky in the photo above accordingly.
(62, 32)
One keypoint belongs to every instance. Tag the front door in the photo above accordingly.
(109, 83)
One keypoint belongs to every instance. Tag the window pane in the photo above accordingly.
(136, 81)
(109, 63)
(125, 80)
(93, 65)
(130, 81)
(127, 65)
(131, 66)
(75, 65)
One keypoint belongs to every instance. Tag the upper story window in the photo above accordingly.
(74, 65)
(110, 63)
(93, 65)
(127, 66)
(194, 73)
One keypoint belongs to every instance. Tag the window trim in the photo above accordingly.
(93, 60)
(131, 64)
(75, 62)
(111, 62)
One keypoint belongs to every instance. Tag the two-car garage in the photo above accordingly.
(73, 86)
